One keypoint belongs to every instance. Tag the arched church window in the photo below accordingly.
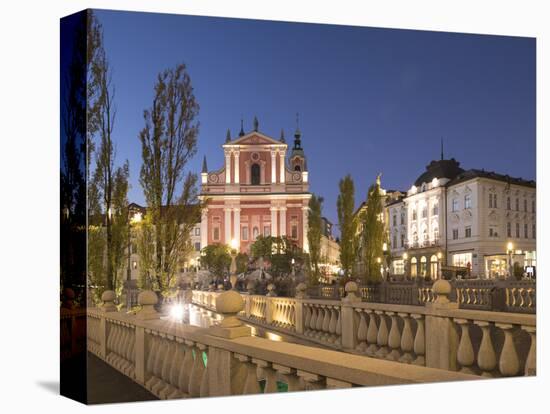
(255, 233)
(255, 174)
(297, 167)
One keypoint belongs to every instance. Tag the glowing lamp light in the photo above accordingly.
(379, 260)
(439, 255)
(385, 247)
(405, 256)
(510, 246)
(136, 218)
(176, 312)
(233, 244)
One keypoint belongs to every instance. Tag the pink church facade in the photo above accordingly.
(260, 190)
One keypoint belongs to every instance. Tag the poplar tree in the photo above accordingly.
(314, 236)
(347, 223)
(373, 234)
(168, 142)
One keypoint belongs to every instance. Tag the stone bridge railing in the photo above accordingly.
(491, 295)
(175, 360)
(437, 334)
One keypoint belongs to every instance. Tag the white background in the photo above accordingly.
(29, 160)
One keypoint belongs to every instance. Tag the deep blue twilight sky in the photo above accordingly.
(370, 100)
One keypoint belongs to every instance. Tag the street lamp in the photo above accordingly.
(405, 257)
(386, 261)
(510, 251)
(233, 267)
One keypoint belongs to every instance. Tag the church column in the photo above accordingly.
(227, 167)
(237, 166)
(282, 167)
(274, 221)
(237, 225)
(282, 221)
(305, 212)
(204, 228)
(227, 225)
(273, 167)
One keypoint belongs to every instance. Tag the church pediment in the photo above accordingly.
(254, 138)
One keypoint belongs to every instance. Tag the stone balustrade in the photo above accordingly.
(438, 334)
(175, 360)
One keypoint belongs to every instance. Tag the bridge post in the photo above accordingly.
(349, 331)
(147, 299)
(441, 336)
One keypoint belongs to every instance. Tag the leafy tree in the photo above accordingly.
(168, 142)
(242, 262)
(314, 236)
(278, 252)
(348, 224)
(373, 234)
(216, 258)
(109, 184)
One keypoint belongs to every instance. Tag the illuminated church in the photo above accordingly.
(261, 189)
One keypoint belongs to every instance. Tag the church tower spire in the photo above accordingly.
(228, 136)
(241, 132)
(297, 134)
(204, 166)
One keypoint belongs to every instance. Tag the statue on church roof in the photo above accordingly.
(256, 124)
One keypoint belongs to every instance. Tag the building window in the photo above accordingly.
(509, 229)
(517, 230)
(490, 200)
(244, 235)
(525, 231)
(398, 267)
(294, 231)
(414, 214)
(424, 212)
(216, 234)
(197, 231)
(455, 205)
(534, 231)
(402, 240)
(436, 232)
(267, 231)
(197, 247)
(455, 234)
(423, 266)
(467, 201)
(517, 204)
(255, 174)
(394, 219)
(413, 267)
(468, 231)
(255, 233)
(525, 204)
(297, 167)
(433, 266)
(508, 203)
(394, 241)
(435, 209)
(134, 264)
(462, 259)
(495, 201)
(403, 218)
(493, 231)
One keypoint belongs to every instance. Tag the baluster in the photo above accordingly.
(293, 317)
(382, 338)
(339, 327)
(311, 381)
(290, 378)
(268, 373)
(186, 368)
(326, 323)
(175, 368)
(394, 338)
(152, 352)
(313, 320)
(205, 384)
(465, 353)
(167, 369)
(372, 334)
(332, 325)
(307, 319)
(486, 358)
(319, 321)
(197, 371)
(251, 384)
(419, 340)
(159, 364)
(362, 332)
(407, 340)
(508, 362)
(531, 362)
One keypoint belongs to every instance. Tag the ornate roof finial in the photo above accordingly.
(282, 139)
(241, 132)
(228, 136)
(204, 167)
(256, 123)
(378, 179)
